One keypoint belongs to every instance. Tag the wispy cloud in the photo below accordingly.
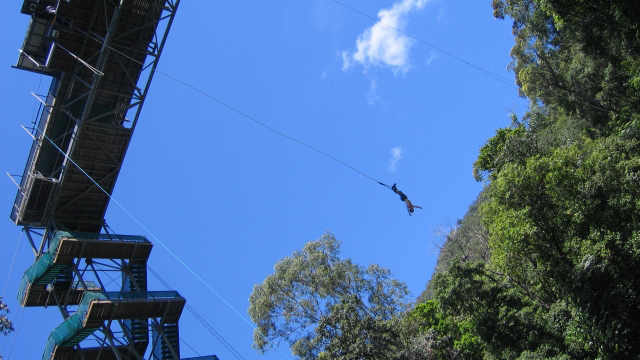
(396, 155)
(346, 60)
(432, 56)
(372, 95)
(382, 44)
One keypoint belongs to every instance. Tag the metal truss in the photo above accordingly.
(120, 334)
(105, 54)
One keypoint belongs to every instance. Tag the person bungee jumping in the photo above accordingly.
(403, 197)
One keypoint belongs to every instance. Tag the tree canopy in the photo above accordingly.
(326, 306)
(562, 198)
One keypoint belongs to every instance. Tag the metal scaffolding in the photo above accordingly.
(101, 55)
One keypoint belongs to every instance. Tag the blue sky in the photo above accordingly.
(231, 198)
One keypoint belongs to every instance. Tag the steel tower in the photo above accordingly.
(101, 56)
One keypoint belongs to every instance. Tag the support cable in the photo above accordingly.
(189, 346)
(11, 267)
(3, 292)
(15, 182)
(14, 318)
(35, 103)
(94, 70)
(267, 126)
(152, 235)
(106, 273)
(30, 58)
(6, 338)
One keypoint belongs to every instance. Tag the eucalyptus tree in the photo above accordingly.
(328, 307)
(6, 326)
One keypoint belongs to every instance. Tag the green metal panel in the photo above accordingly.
(43, 271)
(71, 332)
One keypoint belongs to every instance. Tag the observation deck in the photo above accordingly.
(102, 56)
(96, 308)
(44, 280)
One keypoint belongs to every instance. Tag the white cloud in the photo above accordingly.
(346, 60)
(382, 44)
(396, 155)
(432, 56)
(372, 95)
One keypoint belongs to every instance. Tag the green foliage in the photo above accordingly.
(499, 150)
(467, 240)
(428, 314)
(573, 56)
(567, 224)
(6, 326)
(450, 336)
(495, 316)
(561, 208)
(352, 333)
(321, 304)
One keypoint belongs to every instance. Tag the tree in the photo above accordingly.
(467, 240)
(496, 316)
(326, 306)
(562, 209)
(567, 226)
(349, 332)
(577, 57)
(6, 326)
(440, 336)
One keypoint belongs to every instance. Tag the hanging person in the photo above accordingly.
(403, 197)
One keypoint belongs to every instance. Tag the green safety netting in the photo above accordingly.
(71, 332)
(103, 237)
(43, 271)
(35, 274)
(137, 295)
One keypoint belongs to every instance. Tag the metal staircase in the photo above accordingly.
(101, 56)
